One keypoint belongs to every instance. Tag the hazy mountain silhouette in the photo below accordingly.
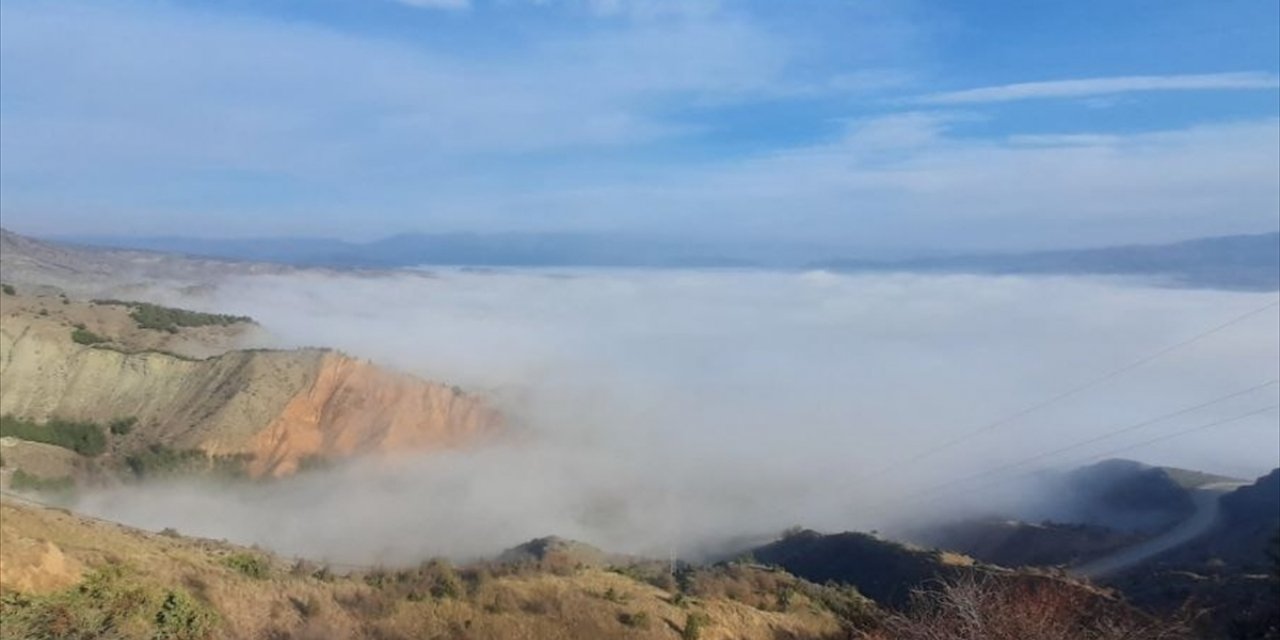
(1233, 262)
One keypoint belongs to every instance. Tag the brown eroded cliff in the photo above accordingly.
(352, 407)
(277, 408)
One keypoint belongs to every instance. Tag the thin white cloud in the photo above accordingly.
(452, 5)
(1103, 86)
(289, 128)
(908, 180)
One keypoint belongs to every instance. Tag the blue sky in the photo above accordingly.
(876, 124)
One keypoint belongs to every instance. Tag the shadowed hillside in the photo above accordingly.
(1233, 570)
(884, 571)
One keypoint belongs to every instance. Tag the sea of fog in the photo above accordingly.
(682, 411)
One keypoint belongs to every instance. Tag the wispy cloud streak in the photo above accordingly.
(1083, 87)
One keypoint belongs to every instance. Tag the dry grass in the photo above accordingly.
(953, 559)
(431, 601)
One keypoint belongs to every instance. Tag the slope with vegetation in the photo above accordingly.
(117, 400)
(887, 572)
(63, 576)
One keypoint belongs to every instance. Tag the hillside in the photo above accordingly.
(45, 310)
(96, 271)
(1232, 570)
(1095, 510)
(932, 595)
(65, 576)
(1013, 543)
(884, 571)
(185, 390)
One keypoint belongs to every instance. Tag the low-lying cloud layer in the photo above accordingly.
(667, 411)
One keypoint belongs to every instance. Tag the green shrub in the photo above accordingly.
(314, 462)
(157, 460)
(121, 426)
(249, 564)
(23, 481)
(8, 289)
(85, 438)
(182, 618)
(785, 596)
(307, 608)
(154, 316)
(684, 575)
(106, 605)
(638, 620)
(377, 578)
(80, 335)
(160, 461)
(693, 626)
(442, 580)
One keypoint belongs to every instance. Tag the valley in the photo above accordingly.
(109, 402)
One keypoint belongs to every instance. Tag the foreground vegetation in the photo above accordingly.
(143, 585)
(536, 600)
(977, 608)
(108, 604)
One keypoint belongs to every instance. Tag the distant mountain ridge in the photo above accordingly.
(1234, 262)
(454, 249)
(1248, 262)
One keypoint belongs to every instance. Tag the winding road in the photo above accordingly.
(1206, 503)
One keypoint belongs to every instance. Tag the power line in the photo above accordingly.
(1184, 432)
(1111, 434)
(940, 490)
(1093, 382)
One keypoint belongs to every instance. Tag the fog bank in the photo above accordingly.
(660, 411)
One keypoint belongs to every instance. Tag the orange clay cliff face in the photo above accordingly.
(275, 408)
(352, 407)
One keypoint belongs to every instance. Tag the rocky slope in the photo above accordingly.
(275, 409)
